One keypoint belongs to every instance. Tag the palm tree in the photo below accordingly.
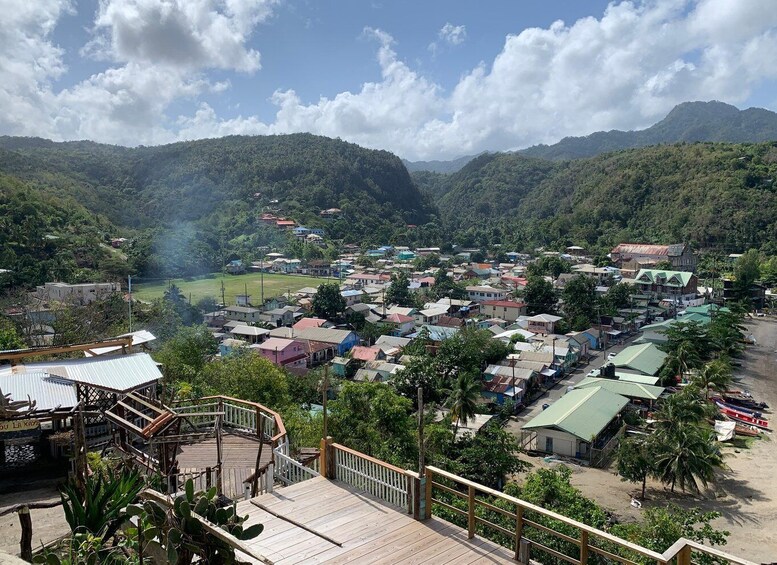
(687, 457)
(683, 357)
(715, 375)
(463, 399)
(685, 408)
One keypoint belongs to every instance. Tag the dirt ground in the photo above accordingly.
(47, 523)
(745, 494)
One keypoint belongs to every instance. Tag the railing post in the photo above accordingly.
(428, 493)
(583, 547)
(518, 533)
(258, 425)
(471, 512)
(269, 476)
(684, 556)
(326, 466)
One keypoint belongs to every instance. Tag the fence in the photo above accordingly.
(528, 536)
(240, 416)
(288, 471)
(377, 478)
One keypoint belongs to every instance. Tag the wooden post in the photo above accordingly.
(421, 460)
(208, 478)
(26, 542)
(684, 556)
(583, 547)
(255, 483)
(219, 450)
(471, 512)
(322, 459)
(428, 494)
(324, 399)
(518, 532)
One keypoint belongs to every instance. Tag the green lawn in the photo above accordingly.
(274, 285)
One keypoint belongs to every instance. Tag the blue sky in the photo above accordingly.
(426, 80)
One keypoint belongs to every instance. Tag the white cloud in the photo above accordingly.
(455, 35)
(624, 70)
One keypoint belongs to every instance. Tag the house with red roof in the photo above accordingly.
(312, 323)
(402, 325)
(365, 354)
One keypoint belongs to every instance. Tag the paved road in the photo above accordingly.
(560, 388)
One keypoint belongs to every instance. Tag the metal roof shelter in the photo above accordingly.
(624, 388)
(583, 413)
(49, 393)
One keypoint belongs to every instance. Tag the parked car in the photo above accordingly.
(611, 356)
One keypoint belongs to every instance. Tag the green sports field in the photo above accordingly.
(274, 285)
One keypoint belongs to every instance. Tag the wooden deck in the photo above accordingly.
(369, 531)
(239, 462)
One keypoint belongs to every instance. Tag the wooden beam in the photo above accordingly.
(212, 528)
(35, 351)
(294, 522)
(136, 411)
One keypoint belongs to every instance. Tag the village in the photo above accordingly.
(571, 360)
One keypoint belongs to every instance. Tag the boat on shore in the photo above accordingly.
(742, 409)
(742, 417)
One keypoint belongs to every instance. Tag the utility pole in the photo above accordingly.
(261, 277)
(324, 399)
(129, 300)
(223, 298)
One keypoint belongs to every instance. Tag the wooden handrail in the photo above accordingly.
(681, 547)
(277, 417)
(14, 354)
(368, 458)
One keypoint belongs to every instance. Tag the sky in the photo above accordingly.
(433, 79)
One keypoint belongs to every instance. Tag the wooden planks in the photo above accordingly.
(369, 530)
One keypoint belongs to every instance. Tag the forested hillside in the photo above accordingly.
(714, 195)
(687, 122)
(193, 205)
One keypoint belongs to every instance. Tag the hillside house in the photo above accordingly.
(242, 314)
(351, 297)
(430, 315)
(84, 293)
(401, 325)
(507, 310)
(636, 256)
(482, 294)
(250, 334)
(288, 353)
(542, 323)
(344, 340)
(675, 285)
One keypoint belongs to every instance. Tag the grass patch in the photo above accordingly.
(210, 285)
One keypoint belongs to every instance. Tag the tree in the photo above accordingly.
(539, 296)
(9, 337)
(488, 456)
(373, 419)
(687, 457)
(715, 375)
(463, 398)
(634, 461)
(550, 265)
(398, 291)
(579, 297)
(245, 375)
(682, 358)
(747, 270)
(185, 354)
(328, 303)
(618, 296)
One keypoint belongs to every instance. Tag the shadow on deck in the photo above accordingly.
(367, 530)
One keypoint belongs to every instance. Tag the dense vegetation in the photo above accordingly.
(192, 206)
(714, 195)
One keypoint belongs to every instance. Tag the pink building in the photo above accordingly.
(284, 352)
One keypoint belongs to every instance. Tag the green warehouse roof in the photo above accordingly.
(645, 358)
(642, 379)
(624, 388)
(583, 413)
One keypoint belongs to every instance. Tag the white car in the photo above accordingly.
(611, 356)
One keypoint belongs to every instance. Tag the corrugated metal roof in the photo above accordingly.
(49, 393)
(138, 338)
(624, 388)
(641, 249)
(117, 373)
(583, 413)
(646, 358)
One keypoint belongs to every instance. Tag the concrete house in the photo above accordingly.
(675, 285)
(542, 323)
(507, 310)
(484, 293)
(284, 352)
(242, 314)
(636, 256)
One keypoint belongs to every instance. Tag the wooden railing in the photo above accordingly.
(289, 471)
(480, 507)
(241, 416)
(377, 478)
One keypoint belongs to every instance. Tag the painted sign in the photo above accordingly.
(19, 428)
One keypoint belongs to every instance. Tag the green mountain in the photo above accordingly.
(714, 195)
(687, 122)
(193, 205)
(444, 167)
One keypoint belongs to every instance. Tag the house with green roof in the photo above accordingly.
(644, 359)
(638, 393)
(666, 284)
(578, 424)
